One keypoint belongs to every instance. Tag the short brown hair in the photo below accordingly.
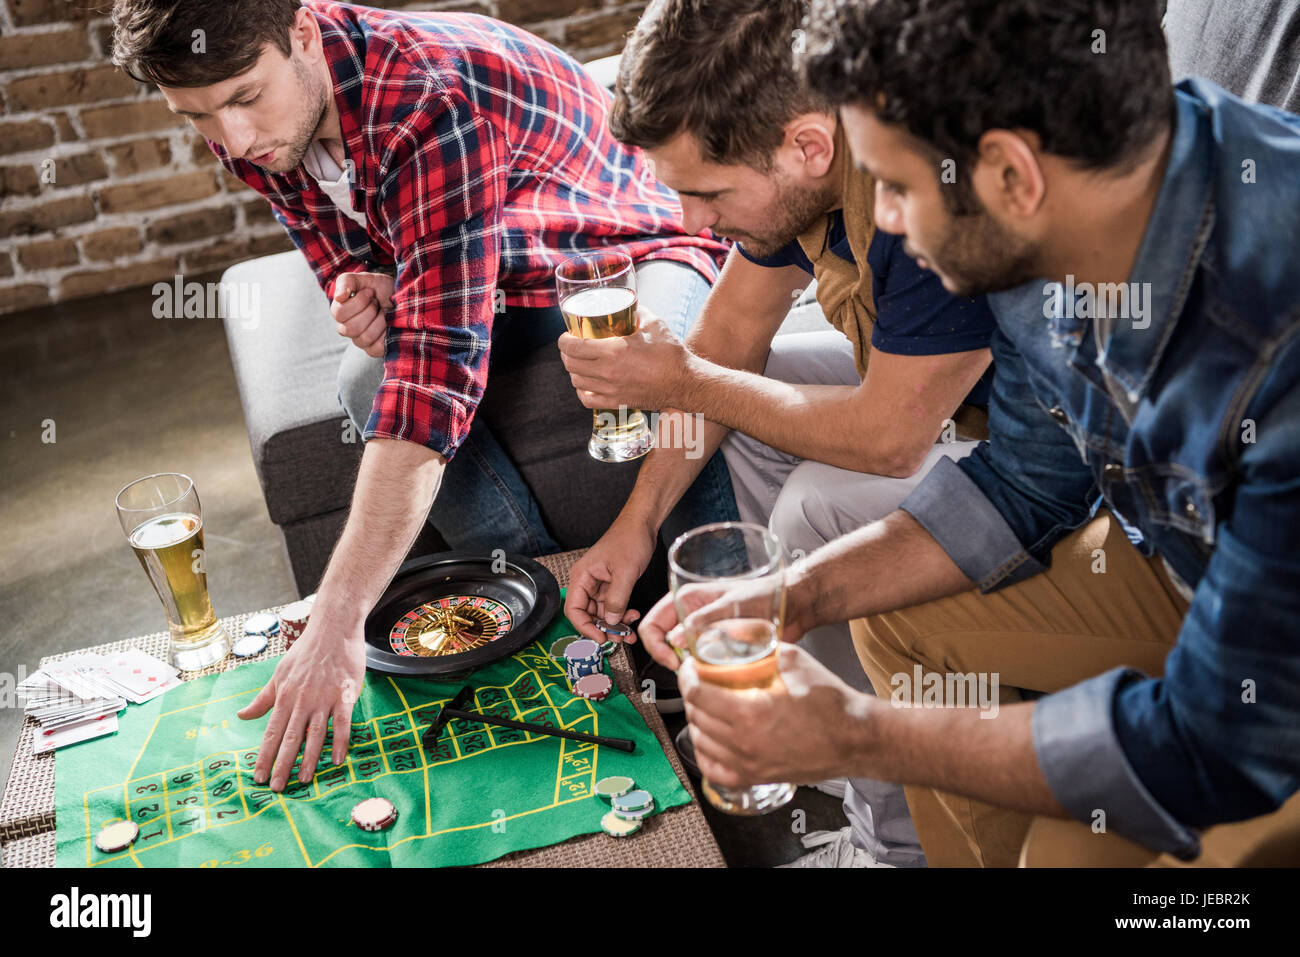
(722, 70)
(155, 41)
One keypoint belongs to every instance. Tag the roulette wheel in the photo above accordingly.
(450, 613)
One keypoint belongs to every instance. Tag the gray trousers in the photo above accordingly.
(807, 504)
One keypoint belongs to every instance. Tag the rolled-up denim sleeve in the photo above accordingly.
(998, 512)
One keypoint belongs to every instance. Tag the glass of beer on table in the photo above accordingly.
(729, 592)
(164, 524)
(598, 299)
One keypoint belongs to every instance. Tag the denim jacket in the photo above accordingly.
(1185, 420)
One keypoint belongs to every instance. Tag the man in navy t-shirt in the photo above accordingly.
(823, 431)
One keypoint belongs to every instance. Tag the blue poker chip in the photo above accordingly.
(263, 623)
(618, 631)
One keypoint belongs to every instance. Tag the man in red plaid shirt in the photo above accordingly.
(433, 169)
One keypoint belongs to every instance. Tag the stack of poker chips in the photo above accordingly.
(293, 619)
(630, 805)
(258, 630)
(582, 658)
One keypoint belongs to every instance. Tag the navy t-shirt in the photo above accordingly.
(915, 315)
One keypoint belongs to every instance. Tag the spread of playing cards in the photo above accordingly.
(79, 698)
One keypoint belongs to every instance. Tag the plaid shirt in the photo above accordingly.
(482, 160)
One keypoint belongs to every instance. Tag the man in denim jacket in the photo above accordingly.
(1141, 241)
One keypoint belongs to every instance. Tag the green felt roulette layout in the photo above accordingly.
(180, 769)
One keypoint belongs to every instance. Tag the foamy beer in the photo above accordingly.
(598, 299)
(164, 525)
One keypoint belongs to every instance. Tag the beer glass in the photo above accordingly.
(598, 299)
(729, 592)
(164, 524)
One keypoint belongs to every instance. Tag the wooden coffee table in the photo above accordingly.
(678, 837)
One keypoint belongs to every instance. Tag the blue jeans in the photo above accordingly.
(483, 501)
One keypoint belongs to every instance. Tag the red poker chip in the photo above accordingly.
(374, 814)
(594, 687)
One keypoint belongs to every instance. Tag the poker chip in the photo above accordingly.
(594, 687)
(634, 815)
(558, 646)
(614, 786)
(117, 837)
(618, 631)
(608, 647)
(293, 620)
(581, 649)
(249, 645)
(633, 801)
(616, 826)
(262, 623)
(374, 814)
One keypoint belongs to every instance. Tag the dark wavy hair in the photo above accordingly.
(946, 71)
(155, 41)
(722, 70)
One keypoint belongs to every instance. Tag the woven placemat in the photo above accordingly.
(36, 851)
(679, 837)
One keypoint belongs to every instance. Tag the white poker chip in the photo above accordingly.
(263, 623)
(248, 646)
(117, 837)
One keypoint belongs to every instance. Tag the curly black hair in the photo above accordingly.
(1090, 77)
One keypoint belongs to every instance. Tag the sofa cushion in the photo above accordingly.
(286, 359)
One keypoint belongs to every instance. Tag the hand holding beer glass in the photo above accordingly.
(164, 524)
(598, 299)
(728, 589)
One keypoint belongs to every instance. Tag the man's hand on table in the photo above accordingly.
(601, 582)
(646, 370)
(361, 301)
(318, 679)
(809, 726)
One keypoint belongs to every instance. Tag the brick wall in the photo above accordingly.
(101, 188)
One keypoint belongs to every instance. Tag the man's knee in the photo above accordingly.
(800, 518)
(358, 381)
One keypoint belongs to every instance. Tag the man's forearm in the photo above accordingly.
(957, 750)
(817, 422)
(395, 487)
(889, 564)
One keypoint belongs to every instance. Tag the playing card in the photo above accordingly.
(73, 734)
(161, 689)
(137, 672)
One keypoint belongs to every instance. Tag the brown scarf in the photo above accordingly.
(844, 288)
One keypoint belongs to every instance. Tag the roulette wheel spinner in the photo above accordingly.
(450, 613)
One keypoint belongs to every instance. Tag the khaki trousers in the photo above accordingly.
(1100, 605)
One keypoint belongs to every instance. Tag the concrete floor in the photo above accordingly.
(130, 395)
